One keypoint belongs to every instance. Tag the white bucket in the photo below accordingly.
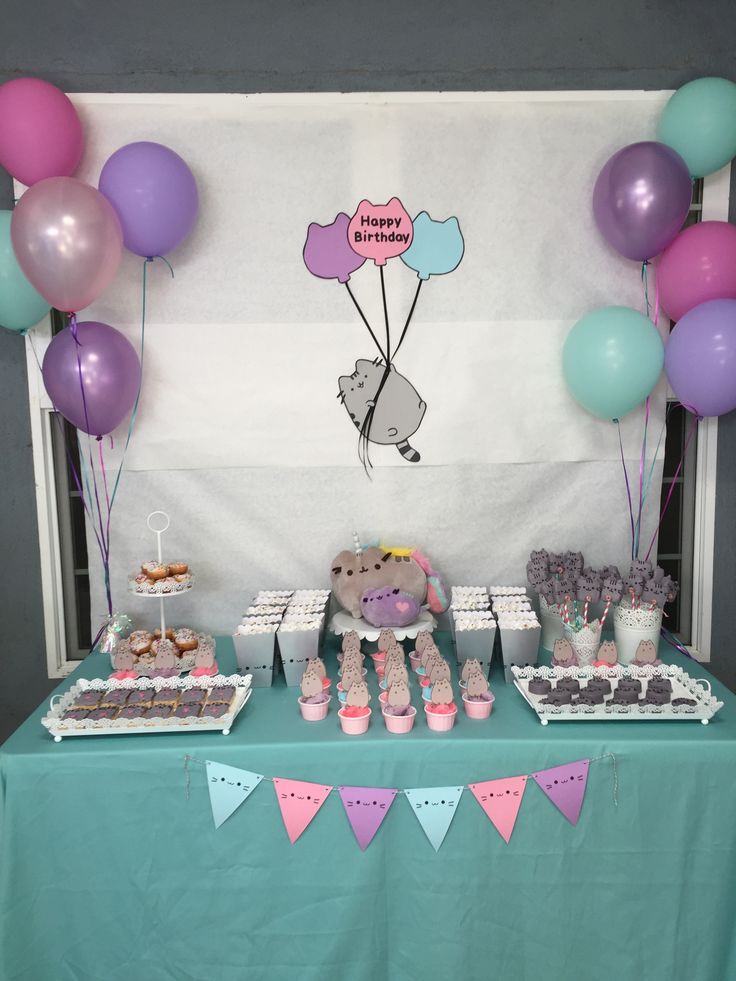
(630, 627)
(585, 642)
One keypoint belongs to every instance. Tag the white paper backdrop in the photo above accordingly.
(240, 436)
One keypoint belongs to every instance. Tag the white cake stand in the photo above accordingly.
(343, 622)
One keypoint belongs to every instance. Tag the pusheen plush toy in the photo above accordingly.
(386, 607)
(373, 568)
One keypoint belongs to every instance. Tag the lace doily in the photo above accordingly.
(641, 618)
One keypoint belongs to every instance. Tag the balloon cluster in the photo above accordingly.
(62, 245)
(613, 357)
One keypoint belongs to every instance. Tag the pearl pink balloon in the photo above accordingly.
(700, 265)
(40, 131)
(67, 240)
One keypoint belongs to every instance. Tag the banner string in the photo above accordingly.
(188, 758)
(628, 487)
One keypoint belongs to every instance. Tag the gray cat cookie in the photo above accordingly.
(442, 692)
(358, 695)
(471, 666)
(607, 652)
(383, 406)
(399, 695)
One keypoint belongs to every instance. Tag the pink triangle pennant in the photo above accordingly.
(565, 786)
(299, 801)
(501, 800)
(366, 807)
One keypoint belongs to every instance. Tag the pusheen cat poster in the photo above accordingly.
(382, 404)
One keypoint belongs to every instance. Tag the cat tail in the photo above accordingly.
(408, 452)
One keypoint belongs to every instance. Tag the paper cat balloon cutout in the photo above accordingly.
(382, 404)
(388, 418)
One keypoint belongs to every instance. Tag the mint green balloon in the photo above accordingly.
(612, 359)
(21, 306)
(699, 121)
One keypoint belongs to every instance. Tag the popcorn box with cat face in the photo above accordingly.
(520, 640)
(474, 643)
(296, 647)
(255, 654)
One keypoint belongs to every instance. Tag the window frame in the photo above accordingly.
(714, 207)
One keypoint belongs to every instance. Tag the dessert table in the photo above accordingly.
(107, 871)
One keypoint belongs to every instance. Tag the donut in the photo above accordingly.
(140, 642)
(181, 577)
(170, 632)
(178, 568)
(155, 570)
(186, 639)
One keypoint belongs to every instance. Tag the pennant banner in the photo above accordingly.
(229, 787)
(501, 800)
(435, 807)
(565, 786)
(366, 807)
(299, 801)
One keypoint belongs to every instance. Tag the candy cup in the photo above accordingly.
(477, 710)
(354, 726)
(378, 658)
(440, 722)
(427, 693)
(326, 682)
(416, 659)
(383, 697)
(399, 724)
(314, 713)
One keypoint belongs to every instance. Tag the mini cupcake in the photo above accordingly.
(442, 710)
(314, 701)
(477, 700)
(355, 714)
(398, 712)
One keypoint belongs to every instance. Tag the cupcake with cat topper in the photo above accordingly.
(398, 712)
(439, 670)
(477, 697)
(638, 615)
(314, 701)
(386, 639)
(318, 665)
(442, 710)
(351, 672)
(355, 713)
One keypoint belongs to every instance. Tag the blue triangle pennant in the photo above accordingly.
(435, 808)
(229, 787)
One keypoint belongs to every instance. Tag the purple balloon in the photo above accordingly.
(154, 194)
(700, 359)
(641, 198)
(327, 252)
(110, 372)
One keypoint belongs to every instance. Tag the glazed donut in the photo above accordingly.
(170, 632)
(141, 578)
(186, 639)
(178, 568)
(140, 642)
(155, 570)
(181, 577)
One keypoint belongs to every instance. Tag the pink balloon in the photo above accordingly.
(40, 131)
(380, 231)
(68, 241)
(700, 265)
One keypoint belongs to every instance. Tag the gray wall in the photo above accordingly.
(327, 45)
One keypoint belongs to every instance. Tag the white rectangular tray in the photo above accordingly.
(59, 728)
(683, 686)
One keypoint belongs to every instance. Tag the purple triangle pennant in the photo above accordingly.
(366, 807)
(565, 786)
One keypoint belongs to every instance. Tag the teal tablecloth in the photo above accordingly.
(108, 873)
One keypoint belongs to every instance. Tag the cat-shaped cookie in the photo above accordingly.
(318, 665)
(399, 694)
(385, 639)
(440, 672)
(607, 653)
(477, 684)
(349, 676)
(646, 652)
(350, 641)
(311, 684)
(358, 695)
(383, 405)
(424, 638)
(397, 672)
(442, 692)
(123, 659)
(470, 667)
(563, 654)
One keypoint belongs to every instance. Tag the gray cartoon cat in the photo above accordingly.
(384, 406)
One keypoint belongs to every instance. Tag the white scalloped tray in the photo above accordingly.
(123, 727)
(343, 622)
(683, 686)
